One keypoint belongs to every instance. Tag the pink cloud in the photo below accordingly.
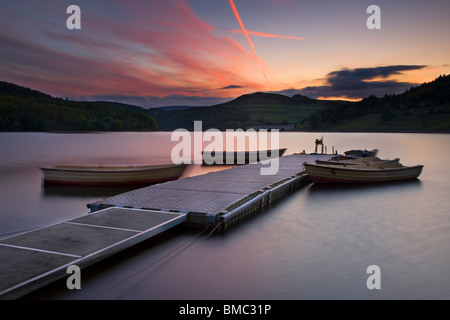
(156, 49)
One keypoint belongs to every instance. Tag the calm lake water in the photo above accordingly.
(315, 244)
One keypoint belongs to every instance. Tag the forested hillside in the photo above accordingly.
(425, 108)
(23, 109)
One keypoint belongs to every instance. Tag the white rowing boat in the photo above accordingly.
(113, 176)
(239, 157)
(363, 173)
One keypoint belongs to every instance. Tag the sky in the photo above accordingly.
(203, 52)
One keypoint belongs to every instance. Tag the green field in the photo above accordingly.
(412, 120)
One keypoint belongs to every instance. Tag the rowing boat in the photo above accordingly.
(239, 157)
(113, 176)
(357, 161)
(361, 153)
(363, 173)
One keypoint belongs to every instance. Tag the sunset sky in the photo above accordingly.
(195, 52)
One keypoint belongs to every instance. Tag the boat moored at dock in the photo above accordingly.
(358, 161)
(357, 153)
(363, 173)
(239, 157)
(112, 175)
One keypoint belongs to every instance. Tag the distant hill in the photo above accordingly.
(23, 109)
(259, 98)
(171, 108)
(222, 118)
(249, 110)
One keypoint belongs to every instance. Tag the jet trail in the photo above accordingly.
(267, 35)
(233, 7)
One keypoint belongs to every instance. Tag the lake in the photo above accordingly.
(315, 244)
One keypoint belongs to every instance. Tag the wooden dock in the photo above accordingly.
(216, 200)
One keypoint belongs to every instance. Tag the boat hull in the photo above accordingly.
(111, 176)
(236, 158)
(338, 174)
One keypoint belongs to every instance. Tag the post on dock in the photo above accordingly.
(318, 142)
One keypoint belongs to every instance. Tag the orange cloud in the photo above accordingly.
(342, 98)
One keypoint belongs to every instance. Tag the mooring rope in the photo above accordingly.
(212, 231)
(180, 248)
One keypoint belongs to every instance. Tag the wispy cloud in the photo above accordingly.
(167, 50)
(161, 50)
(231, 87)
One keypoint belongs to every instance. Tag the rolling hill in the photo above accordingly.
(256, 109)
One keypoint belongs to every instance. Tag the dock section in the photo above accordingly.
(216, 200)
(221, 197)
(35, 259)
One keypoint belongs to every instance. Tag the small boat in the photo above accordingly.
(361, 153)
(363, 173)
(357, 161)
(112, 176)
(239, 157)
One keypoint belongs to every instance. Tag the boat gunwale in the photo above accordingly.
(361, 162)
(352, 168)
(112, 169)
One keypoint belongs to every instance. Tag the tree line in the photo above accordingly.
(23, 109)
(431, 97)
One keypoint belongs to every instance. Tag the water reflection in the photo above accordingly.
(318, 187)
(77, 192)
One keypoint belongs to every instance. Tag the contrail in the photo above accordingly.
(233, 7)
(267, 35)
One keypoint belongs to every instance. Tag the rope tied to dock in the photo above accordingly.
(170, 254)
